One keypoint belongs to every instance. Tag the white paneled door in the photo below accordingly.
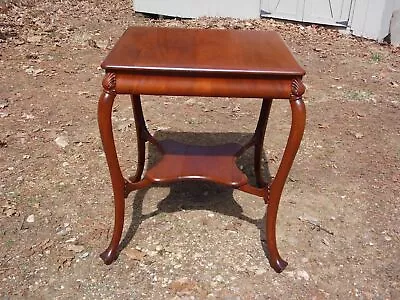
(283, 9)
(331, 12)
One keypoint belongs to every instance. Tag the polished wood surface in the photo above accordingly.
(182, 161)
(227, 63)
(275, 87)
(196, 51)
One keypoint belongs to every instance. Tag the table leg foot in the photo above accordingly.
(108, 256)
(275, 260)
(278, 265)
(111, 253)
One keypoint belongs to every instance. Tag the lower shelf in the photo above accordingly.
(214, 163)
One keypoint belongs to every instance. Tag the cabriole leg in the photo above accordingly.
(118, 183)
(293, 143)
(140, 126)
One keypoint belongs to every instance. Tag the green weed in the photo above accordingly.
(376, 57)
(357, 95)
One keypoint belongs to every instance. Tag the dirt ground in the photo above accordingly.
(338, 224)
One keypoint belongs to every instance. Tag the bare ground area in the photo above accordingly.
(338, 224)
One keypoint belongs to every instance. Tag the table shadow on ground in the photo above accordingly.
(198, 194)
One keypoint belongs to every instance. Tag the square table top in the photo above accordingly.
(202, 51)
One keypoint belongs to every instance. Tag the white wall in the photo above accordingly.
(395, 25)
(371, 18)
(243, 9)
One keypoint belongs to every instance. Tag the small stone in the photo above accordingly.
(303, 275)
(162, 128)
(151, 253)
(34, 38)
(32, 71)
(388, 238)
(30, 219)
(260, 271)
(190, 101)
(61, 141)
(159, 248)
(219, 278)
(177, 266)
(290, 274)
(325, 241)
(236, 108)
(103, 44)
(3, 103)
(304, 260)
(84, 255)
(65, 230)
(71, 240)
(10, 212)
(28, 116)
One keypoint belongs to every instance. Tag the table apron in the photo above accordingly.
(140, 84)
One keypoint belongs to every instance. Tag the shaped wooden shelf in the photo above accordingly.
(181, 161)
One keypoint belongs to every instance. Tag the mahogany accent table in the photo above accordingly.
(198, 62)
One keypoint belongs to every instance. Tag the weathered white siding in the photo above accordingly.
(331, 12)
(371, 18)
(366, 18)
(243, 9)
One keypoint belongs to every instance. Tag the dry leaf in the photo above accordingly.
(183, 285)
(233, 226)
(135, 254)
(65, 261)
(75, 248)
(358, 135)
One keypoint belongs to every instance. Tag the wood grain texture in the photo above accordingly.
(180, 161)
(197, 51)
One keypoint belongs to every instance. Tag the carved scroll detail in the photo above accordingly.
(109, 82)
(298, 88)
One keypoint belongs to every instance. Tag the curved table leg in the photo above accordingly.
(259, 140)
(293, 143)
(118, 183)
(140, 126)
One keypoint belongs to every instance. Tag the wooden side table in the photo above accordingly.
(195, 62)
